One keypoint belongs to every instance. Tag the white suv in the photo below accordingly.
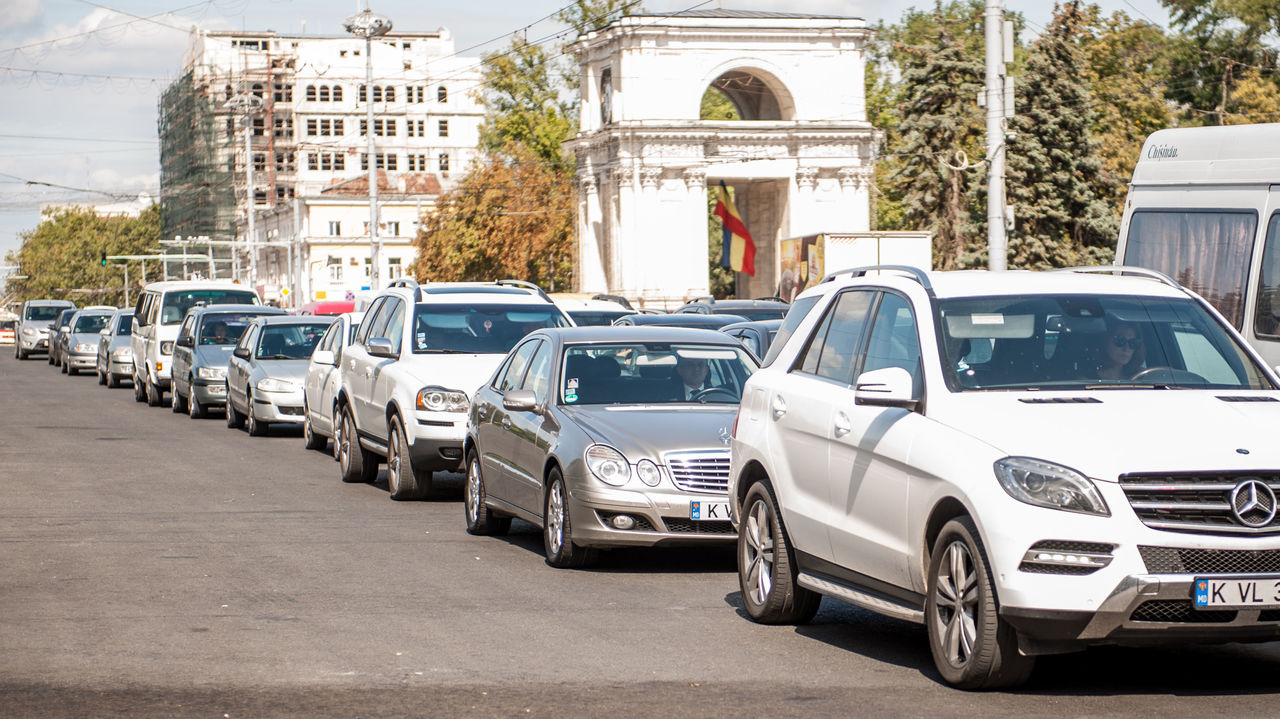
(408, 377)
(1026, 462)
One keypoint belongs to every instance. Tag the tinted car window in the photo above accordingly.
(831, 349)
(90, 323)
(894, 341)
(538, 378)
(799, 310)
(290, 341)
(224, 328)
(176, 304)
(42, 313)
(125, 326)
(513, 376)
(769, 313)
(653, 373)
(480, 328)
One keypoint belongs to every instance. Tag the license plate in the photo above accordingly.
(709, 511)
(1221, 593)
(217, 389)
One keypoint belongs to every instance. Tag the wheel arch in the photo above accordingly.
(751, 473)
(945, 510)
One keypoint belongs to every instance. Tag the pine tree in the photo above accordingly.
(1055, 183)
(937, 116)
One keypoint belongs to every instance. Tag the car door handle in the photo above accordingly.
(779, 406)
(842, 424)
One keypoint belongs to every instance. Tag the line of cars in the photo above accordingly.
(1025, 463)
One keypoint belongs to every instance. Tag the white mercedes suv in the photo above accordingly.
(1025, 462)
(408, 377)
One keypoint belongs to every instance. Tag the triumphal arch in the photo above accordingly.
(799, 157)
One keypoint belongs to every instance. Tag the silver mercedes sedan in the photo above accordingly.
(607, 437)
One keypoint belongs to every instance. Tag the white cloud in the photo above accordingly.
(20, 12)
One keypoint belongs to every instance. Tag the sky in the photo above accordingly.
(79, 79)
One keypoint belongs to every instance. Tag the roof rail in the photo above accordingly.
(774, 298)
(410, 283)
(704, 298)
(614, 298)
(526, 285)
(1124, 270)
(915, 272)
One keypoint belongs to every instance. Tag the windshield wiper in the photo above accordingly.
(444, 352)
(277, 357)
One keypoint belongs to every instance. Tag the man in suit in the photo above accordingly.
(693, 376)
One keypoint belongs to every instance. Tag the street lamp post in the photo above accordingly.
(369, 25)
(249, 104)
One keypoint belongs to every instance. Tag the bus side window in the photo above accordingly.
(1266, 315)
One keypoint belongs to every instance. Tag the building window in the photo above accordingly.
(282, 92)
(335, 230)
(337, 93)
(284, 128)
(335, 267)
(324, 93)
(442, 94)
(367, 266)
(389, 93)
(442, 128)
(311, 93)
(417, 163)
(259, 162)
(284, 192)
(394, 269)
(313, 161)
(312, 127)
(259, 126)
(381, 128)
(325, 127)
(415, 93)
(444, 163)
(415, 128)
(377, 93)
(285, 162)
(231, 127)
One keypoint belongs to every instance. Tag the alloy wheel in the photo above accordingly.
(758, 552)
(956, 598)
(555, 518)
(473, 492)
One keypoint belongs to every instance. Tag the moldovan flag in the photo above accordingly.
(739, 252)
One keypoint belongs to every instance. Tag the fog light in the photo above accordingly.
(623, 521)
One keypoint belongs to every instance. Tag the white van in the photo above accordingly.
(1204, 208)
(156, 320)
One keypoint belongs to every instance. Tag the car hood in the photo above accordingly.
(1126, 430)
(212, 355)
(640, 431)
(460, 372)
(90, 338)
(294, 370)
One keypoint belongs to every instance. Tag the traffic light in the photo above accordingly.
(104, 259)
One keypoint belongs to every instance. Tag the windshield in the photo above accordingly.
(125, 327)
(654, 373)
(1079, 341)
(7, 324)
(42, 313)
(479, 329)
(224, 328)
(291, 342)
(176, 304)
(90, 323)
(597, 318)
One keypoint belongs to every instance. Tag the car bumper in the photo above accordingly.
(82, 361)
(435, 440)
(210, 393)
(661, 518)
(117, 368)
(277, 407)
(33, 344)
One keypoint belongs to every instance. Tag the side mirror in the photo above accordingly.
(105, 332)
(520, 400)
(380, 347)
(65, 328)
(187, 341)
(888, 387)
(242, 352)
(324, 357)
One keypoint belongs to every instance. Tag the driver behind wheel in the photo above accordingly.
(693, 376)
(1122, 352)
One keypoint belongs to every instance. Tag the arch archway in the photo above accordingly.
(757, 94)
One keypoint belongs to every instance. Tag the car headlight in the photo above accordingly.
(166, 348)
(648, 472)
(29, 332)
(439, 399)
(122, 355)
(1045, 484)
(271, 384)
(84, 347)
(218, 373)
(607, 464)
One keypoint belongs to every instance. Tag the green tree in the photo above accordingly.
(523, 107)
(1056, 183)
(937, 115)
(61, 257)
(1219, 44)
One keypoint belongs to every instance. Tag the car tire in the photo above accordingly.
(403, 481)
(481, 521)
(139, 390)
(310, 439)
(102, 377)
(195, 410)
(336, 424)
(767, 571)
(235, 420)
(356, 464)
(256, 427)
(972, 647)
(112, 381)
(179, 405)
(155, 395)
(557, 528)
(63, 367)
(20, 353)
(50, 356)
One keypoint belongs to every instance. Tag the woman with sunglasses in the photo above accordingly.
(1122, 354)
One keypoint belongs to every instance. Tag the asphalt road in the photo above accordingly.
(156, 566)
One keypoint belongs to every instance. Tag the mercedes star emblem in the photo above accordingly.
(1253, 503)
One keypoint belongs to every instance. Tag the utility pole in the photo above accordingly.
(368, 25)
(997, 43)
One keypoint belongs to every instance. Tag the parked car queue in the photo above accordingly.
(1026, 463)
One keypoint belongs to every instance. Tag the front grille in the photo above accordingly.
(1196, 502)
(1056, 569)
(1269, 615)
(700, 471)
(291, 411)
(1098, 553)
(1179, 611)
(679, 525)
(1172, 560)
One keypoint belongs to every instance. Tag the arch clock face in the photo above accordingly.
(606, 96)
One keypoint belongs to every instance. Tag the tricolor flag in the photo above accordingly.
(739, 252)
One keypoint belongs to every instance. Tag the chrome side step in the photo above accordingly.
(859, 598)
